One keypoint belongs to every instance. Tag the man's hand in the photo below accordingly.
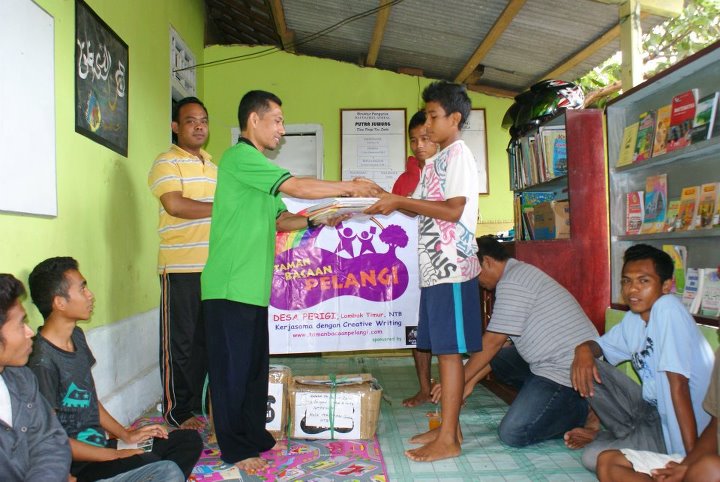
(673, 472)
(362, 187)
(387, 204)
(145, 432)
(583, 371)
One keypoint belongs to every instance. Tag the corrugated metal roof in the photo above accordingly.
(440, 37)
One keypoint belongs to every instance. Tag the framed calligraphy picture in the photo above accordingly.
(101, 81)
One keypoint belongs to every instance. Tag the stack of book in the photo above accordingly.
(538, 157)
(334, 207)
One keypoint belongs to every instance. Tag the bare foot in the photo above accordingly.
(252, 465)
(418, 399)
(579, 437)
(280, 445)
(431, 435)
(435, 450)
(193, 423)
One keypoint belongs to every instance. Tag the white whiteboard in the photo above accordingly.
(300, 150)
(475, 136)
(27, 124)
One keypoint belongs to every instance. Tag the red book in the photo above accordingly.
(681, 120)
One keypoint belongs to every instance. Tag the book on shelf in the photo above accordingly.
(528, 200)
(688, 208)
(716, 214)
(634, 211)
(709, 292)
(554, 150)
(627, 146)
(679, 257)
(645, 136)
(671, 217)
(655, 204)
(682, 116)
(692, 283)
(662, 123)
(706, 206)
(704, 118)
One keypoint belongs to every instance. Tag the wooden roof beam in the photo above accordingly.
(494, 91)
(582, 55)
(662, 8)
(287, 37)
(493, 35)
(378, 33)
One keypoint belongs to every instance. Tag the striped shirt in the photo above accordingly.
(542, 318)
(183, 242)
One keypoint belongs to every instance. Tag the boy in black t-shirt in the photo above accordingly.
(62, 362)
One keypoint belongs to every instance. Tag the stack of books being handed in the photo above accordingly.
(334, 207)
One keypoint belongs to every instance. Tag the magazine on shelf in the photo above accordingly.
(662, 124)
(634, 211)
(671, 217)
(688, 208)
(704, 118)
(655, 204)
(645, 136)
(679, 257)
(681, 119)
(706, 206)
(627, 147)
(709, 293)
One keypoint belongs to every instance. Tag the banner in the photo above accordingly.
(350, 287)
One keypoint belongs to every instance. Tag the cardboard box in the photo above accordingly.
(552, 220)
(348, 410)
(277, 407)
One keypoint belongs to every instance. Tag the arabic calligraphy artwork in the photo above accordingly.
(101, 81)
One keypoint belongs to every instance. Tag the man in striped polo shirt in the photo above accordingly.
(545, 324)
(183, 179)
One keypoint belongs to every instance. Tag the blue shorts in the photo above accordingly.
(450, 318)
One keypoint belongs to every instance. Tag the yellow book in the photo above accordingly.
(627, 146)
(662, 123)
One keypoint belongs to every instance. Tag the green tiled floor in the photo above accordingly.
(484, 457)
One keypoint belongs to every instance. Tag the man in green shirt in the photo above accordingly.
(236, 281)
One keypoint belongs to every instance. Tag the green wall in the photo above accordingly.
(314, 90)
(106, 215)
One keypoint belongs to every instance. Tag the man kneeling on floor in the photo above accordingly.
(62, 360)
(545, 324)
(670, 355)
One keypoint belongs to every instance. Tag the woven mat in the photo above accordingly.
(304, 460)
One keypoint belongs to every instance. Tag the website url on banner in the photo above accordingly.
(337, 333)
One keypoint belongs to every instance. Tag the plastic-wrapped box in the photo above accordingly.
(277, 406)
(334, 407)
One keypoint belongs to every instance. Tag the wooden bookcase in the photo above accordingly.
(580, 263)
(693, 165)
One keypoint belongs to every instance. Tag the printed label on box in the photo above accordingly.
(312, 415)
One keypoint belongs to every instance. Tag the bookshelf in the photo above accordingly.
(693, 165)
(579, 262)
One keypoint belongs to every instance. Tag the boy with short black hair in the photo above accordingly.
(447, 202)
(33, 444)
(670, 355)
(62, 362)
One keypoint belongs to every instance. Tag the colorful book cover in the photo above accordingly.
(692, 281)
(662, 123)
(706, 206)
(655, 204)
(645, 136)
(679, 257)
(688, 208)
(716, 215)
(634, 212)
(559, 157)
(627, 146)
(548, 137)
(682, 116)
(704, 117)
(671, 218)
(710, 295)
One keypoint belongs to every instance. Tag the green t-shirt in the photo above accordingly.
(242, 231)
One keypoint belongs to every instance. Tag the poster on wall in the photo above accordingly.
(373, 144)
(350, 287)
(101, 81)
(475, 136)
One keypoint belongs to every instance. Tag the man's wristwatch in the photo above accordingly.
(311, 224)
